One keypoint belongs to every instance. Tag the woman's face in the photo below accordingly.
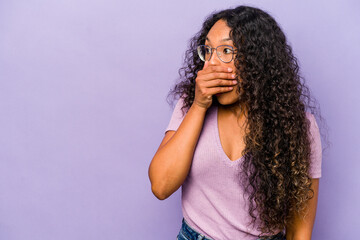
(219, 35)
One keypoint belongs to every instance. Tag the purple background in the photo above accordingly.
(83, 110)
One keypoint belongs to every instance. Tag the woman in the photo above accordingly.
(241, 141)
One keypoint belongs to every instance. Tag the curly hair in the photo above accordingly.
(277, 152)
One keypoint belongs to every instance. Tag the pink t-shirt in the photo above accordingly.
(212, 197)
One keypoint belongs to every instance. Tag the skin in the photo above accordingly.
(302, 226)
(218, 35)
(171, 163)
(230, 120)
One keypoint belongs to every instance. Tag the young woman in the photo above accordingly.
(241, 142)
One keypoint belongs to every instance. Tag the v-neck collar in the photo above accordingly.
(220, 148)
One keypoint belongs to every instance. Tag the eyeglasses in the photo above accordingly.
(224, 52)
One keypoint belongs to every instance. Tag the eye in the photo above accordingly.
(227, 50)
(208, 50)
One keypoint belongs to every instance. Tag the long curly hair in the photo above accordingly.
(277, 152)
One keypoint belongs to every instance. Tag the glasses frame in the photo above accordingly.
(217, 53)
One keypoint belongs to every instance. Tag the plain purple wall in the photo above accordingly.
(83, 110)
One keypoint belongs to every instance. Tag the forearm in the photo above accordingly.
(171, 163)
(301, 225)
(298, 236)
(301, 228)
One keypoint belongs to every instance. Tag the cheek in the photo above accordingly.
(234, 92)
(233, 95)
(232, 65)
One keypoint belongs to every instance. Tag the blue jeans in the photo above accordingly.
(188, 233)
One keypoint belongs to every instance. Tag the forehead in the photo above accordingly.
(220, 30)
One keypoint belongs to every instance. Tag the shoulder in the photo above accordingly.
(313, 124)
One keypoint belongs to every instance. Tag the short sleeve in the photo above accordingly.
(177, 116)
(316, 149)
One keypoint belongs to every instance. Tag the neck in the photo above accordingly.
(232, 109)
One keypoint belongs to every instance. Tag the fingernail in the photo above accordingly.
(229, 69)
(233, 75)
(234, 81)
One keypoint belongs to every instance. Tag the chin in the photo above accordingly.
(226, 98)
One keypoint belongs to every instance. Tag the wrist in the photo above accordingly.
(199, 107)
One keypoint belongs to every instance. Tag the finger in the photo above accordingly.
(216, 90)
(219, 83)
(217, 69)
(217, 75)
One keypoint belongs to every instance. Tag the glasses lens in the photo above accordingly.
(204, 52)
(225, 53)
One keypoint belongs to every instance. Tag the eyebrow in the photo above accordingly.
(222, 40)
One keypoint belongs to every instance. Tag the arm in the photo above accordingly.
(302, 226)
(171, 163)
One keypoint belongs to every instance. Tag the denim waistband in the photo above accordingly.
(192, 234)
(279, 236)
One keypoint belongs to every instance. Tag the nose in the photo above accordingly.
(214, 60)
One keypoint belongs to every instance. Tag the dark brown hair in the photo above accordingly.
(276, 156)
